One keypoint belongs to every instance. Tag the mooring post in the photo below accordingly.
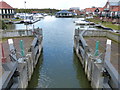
(97, 48)
(22, 48)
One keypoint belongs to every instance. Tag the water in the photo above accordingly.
(58, 66)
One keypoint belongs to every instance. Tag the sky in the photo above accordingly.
(56, 4)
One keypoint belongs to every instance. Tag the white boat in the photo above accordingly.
(82, 22)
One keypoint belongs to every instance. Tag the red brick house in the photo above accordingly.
(93, 11)
(111, 11)
(6, 11)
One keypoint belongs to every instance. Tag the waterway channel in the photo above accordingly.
(58, 66)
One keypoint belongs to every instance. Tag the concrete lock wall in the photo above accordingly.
(25, 65)
(93, 68)
(23, 78)
(30, 62)
(30, 67)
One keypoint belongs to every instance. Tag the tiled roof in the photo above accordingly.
(93, 9)
(114, 0)
(4, 5)
(101, 9)
(114, 4)
(34, 11)
(116, 9)
(90, 9)
(64, 11)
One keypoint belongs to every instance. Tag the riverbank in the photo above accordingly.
(106, 24)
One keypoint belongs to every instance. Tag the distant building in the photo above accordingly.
(64, 13)
(75, 10)
(111, 12)
(112, 7)
(6, 11)
(34, 12)
(93, 11)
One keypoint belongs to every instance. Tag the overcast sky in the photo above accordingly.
(57, 4)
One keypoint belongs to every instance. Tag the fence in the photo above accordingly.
(19, 33)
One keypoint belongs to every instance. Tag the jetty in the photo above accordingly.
(20, 52)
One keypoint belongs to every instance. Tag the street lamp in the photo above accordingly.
(25, 15)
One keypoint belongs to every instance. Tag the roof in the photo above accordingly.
(101, 9)
(90, 9)
(34, 11)
(114, 4)
(64, 11)
(116, 9)
(4, 5)
(114, 0)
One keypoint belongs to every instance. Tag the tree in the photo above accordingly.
(3, 25)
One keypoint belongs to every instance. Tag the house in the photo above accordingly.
(111, 12)
(6, 11)
(93, 11)
(110, 7)
(75, 10)
(64, 13)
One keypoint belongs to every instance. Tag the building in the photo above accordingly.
(6, 11)
(111, 11)
(93, 11)
(75, 10)
(110, 7)
(64, 13)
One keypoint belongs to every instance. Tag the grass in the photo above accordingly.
(106, 24)
(14, 19)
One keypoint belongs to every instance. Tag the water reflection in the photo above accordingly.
(36, 74)
(80, 73)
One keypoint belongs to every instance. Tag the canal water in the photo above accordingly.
(58, 66)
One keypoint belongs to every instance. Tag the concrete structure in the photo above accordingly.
(6, 11)
(100, 72)
(17, 70)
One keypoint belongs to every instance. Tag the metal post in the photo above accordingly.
(97, 48)
(22, 48)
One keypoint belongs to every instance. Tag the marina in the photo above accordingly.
(47, 46)
(60, 43)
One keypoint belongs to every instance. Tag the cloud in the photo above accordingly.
(59, 4)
